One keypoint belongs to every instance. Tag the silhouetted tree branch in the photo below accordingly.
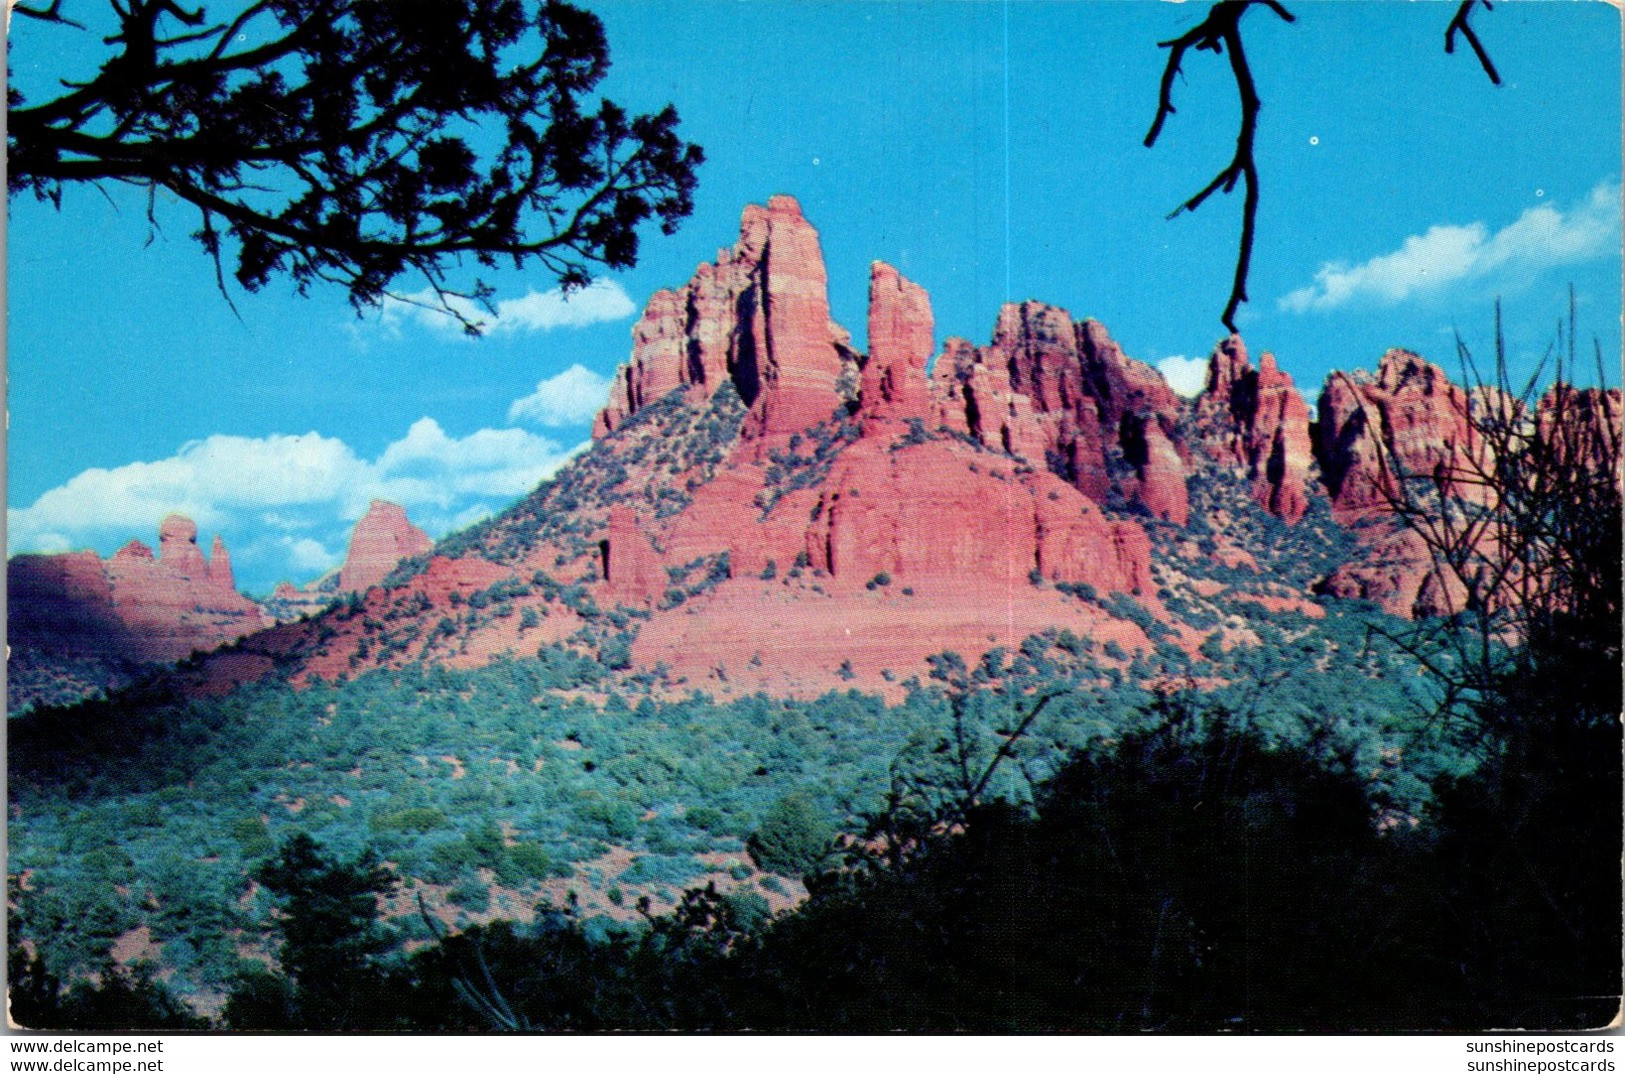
(353, 142)
(1521, 522)
(1221, 32)
(482, 994)
(1459, 22)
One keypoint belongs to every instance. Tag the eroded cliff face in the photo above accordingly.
(902, 500)
(1408, 423)
(1059, 394)
(1255, 419)
(1410, 419)
(63, 602)
(78, 623)
(757, 317)
(768, 508)
(381, 539)
(136, 606)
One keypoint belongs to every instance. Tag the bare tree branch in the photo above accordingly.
(1218, 32)
(1521, 522)
(50, 13)
(1461, 23)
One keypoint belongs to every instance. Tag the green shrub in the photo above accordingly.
(613, 819)
(416, 819)
(793, 837)
(706, 818)
(531, 860)
(471, 895)
(252, 837)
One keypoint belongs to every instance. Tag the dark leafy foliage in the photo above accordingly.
(331, 940)
(354, 142)
(794, 836)
(1188, 877)
(121, 999)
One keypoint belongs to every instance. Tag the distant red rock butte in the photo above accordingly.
(381, 539)
(135, 606)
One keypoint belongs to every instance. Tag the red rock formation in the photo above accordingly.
(629, 564)
(63, 603)
(900, 344)
(178, 550)
(1159, 481)
(178, 603)
(220, 573)
(381, 539)
(1256, 419)
(970, 528)
(885, 511)
(906, 548)
(1047, 390)
(758, 316)
(658, 365)
(1395, 570)
(1582, 424)
(948, 381)
(135, 607)
(1005, 420)
(1037, 345)
(790, 354)
(1122, 385)
(1083, 399)
(1411, 419)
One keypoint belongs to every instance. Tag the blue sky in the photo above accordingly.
(991, 151)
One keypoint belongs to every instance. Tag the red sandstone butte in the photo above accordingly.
(381, 539)
(1410, 419)
(63, 603)
(1082, 396)
(932, 510)
(900, 344)
(136, 606)
(759, 316)
(1257, 420)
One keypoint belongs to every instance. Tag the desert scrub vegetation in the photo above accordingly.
(118, 805)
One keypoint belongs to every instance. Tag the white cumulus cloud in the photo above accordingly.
(429, 467)
(534, 311)
(305, 554)
(206, 479)
(1542, 237)
(287, 501)
(1186, 376)
(570, 398)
